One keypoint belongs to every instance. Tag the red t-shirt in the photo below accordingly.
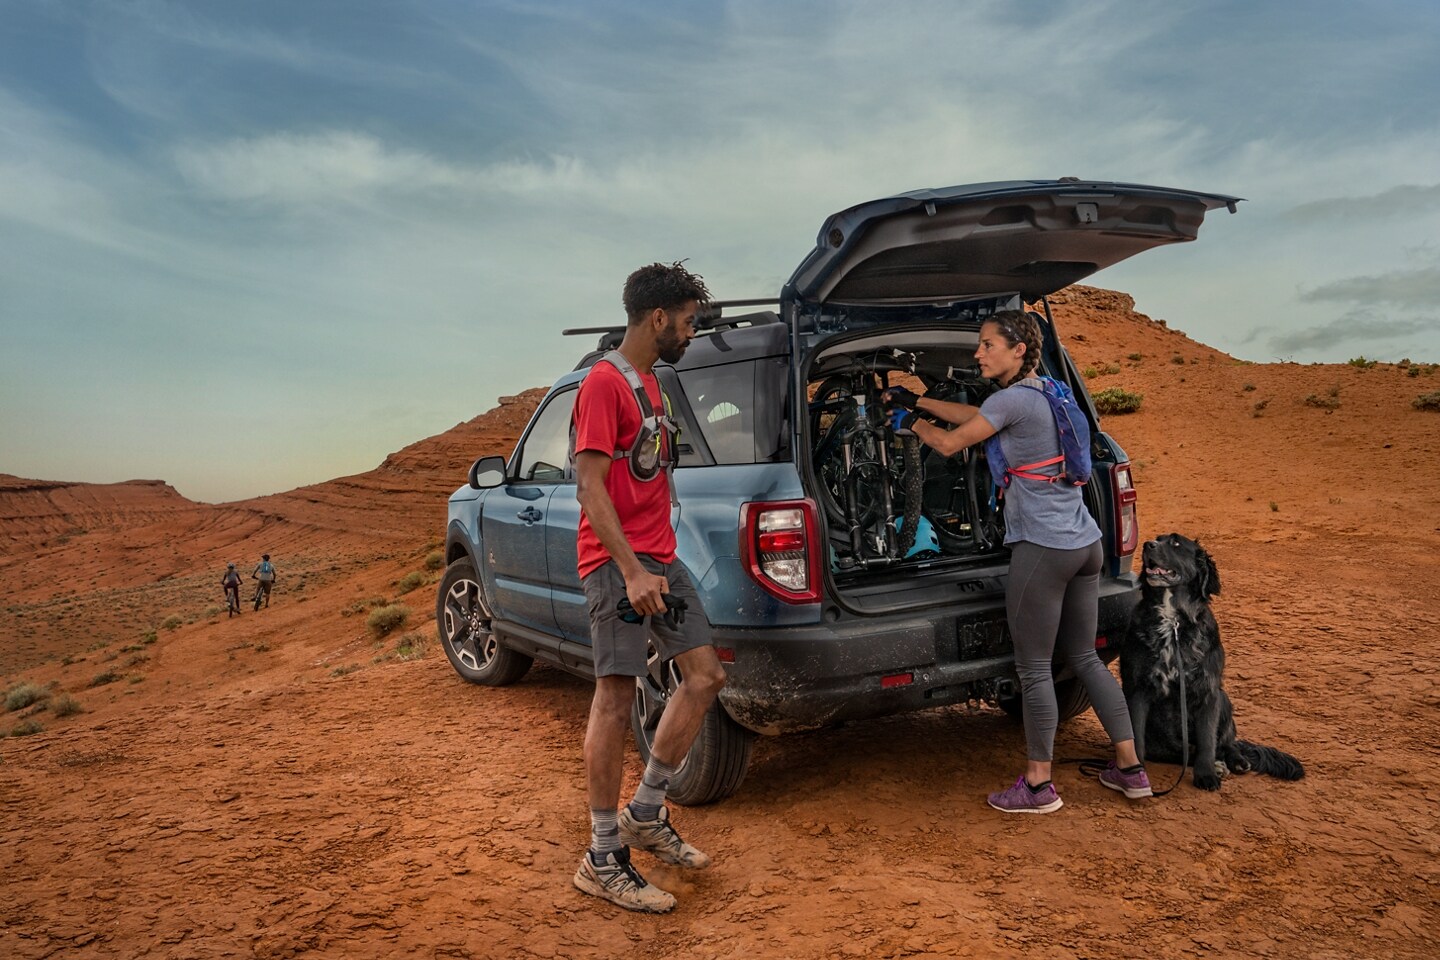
(607, 418)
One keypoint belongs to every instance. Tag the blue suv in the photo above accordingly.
(848, 573)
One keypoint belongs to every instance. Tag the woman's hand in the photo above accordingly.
(900, 397)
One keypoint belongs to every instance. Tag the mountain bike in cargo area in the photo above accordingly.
(847, 574)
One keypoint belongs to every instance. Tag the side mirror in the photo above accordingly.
(487, 472)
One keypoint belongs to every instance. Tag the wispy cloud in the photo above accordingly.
(1353, 327)
(1407, 200)
(1402, 288)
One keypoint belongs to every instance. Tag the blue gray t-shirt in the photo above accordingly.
(1048, 514)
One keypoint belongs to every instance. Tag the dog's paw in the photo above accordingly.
(1206, 779)
(1221, 770)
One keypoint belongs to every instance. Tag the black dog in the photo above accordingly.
(1172, 630)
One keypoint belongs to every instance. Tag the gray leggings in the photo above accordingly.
(1052, 601)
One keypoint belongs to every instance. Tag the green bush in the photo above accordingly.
(1114, 400)
(383, 620)
(171, 623)
(1177, 359)
(409, 582)
(434, 560)
(25, 728)
(1089, 373)
(1427, 401)
(23, 694)
(66, 706)
(1361, 362)
(100, 679)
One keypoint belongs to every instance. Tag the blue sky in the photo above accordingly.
(246, 246)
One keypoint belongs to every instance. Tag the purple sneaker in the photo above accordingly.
(1021, 799)
(1133, 785)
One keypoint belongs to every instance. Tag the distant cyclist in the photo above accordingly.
(231, 583)
(265, 573)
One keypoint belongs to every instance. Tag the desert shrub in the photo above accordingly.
(23, 694)
(1137, 357)
(1249, 387)
(149, 637)
(1114, 400)
(1110, 369)
(1413, 372)
(1324, 403)
(1089, 373)
(100, 679)
(1274, 507)
(383, 620)
(1361, 362)
(65, 706)
(412, 646)
(341, 671)
(25, 728)
(1177, 359)
(171, 623)
(1427, 401)
(434, 560)
(409, 582)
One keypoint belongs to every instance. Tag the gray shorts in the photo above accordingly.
(619, 647)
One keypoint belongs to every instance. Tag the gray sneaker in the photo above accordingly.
(620, 883)
(1021, 799)
(1133, 785)
(658, 837)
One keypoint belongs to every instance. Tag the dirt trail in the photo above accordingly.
(283, 785)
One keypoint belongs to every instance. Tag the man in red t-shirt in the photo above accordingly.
(626, 550)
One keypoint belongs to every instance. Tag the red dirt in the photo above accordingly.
(282, 785)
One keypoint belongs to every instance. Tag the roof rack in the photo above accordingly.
(709, 318)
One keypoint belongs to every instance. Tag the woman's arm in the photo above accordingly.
(974, 429)
(956, 413)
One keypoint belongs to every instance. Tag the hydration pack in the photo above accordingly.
(1074, 432)
(656, 447)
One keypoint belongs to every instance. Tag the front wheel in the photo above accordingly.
(716, 764)
(464, 623)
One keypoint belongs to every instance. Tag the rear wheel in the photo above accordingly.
(716, 764)
(1070, 697)
(464, 622)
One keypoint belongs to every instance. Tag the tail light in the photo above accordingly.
(780, 547)
(1127, 526)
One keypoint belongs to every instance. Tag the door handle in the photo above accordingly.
(529, 515)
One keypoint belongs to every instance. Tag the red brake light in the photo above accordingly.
(1127, 525)
(780, 547)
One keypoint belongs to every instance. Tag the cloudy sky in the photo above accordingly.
(246, 246)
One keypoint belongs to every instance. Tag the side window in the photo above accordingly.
(723, 399)
(547, 445)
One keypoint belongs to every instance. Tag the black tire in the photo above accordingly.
(1071, 698)
(259, 593)
(463, 621)
(716, 764)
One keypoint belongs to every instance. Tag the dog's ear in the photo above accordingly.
(1209, 573)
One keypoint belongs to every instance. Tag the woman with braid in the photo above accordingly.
(1052, 594)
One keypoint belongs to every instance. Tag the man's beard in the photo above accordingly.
(670, 345)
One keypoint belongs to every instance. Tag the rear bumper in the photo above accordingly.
(800, 678)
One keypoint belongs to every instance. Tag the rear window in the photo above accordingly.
(739, 409)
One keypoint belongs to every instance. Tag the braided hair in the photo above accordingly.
(1019, 327)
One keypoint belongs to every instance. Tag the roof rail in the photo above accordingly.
(710, 317)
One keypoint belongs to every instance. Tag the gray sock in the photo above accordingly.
(651, 795)
(604, 834)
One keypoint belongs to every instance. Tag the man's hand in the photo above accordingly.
(902, 422)
(644, 590)
(900, 397)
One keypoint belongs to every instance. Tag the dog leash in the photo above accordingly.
(1093, 767)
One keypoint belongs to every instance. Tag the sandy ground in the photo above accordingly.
(283, 784)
